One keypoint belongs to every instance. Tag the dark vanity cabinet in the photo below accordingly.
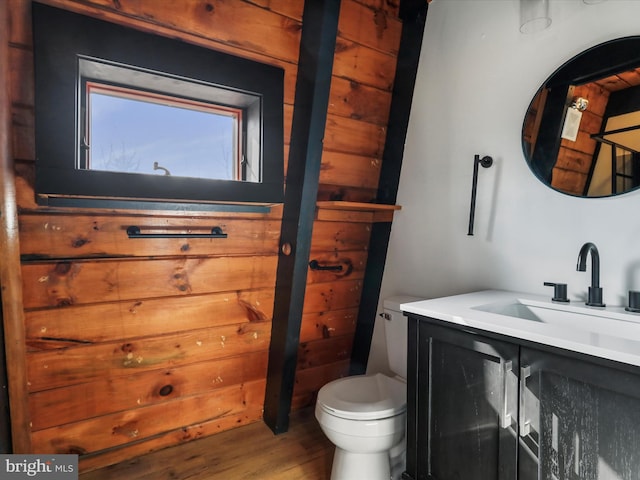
(483, 407)
(462, 407)
(579, 420)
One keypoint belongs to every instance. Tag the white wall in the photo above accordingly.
(476, 77)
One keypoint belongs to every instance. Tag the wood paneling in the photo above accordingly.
(360, 98)
(330, 310)
(129, 345)
(185, 434)
(81, 282)
(284, 7)
(353, 136)
(64, 236)
(21, 76)
(77, 402)
(53, 368)
(336, 236)
(322, 325)
(370, 27)
(14, 347)
(360, 102)
(364, 65)
(52, 328)
(389, 7)
(137, 344)
(23, 143)
(329, 296)
(236, 27)
(118, 429)
(222, 21)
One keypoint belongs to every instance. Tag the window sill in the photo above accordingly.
(168, 207)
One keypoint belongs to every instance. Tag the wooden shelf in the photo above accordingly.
(339, 211)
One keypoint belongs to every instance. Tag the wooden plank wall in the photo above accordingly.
(135, 345)
(359, 101)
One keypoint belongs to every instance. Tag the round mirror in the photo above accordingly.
(581, 133)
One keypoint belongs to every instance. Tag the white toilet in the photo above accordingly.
(365, 415)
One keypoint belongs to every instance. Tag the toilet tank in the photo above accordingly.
(395, 330)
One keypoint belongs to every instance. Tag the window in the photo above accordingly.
(126, 115)
(135, 131)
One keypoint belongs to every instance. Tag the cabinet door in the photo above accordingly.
(465, 406)
(578, 420)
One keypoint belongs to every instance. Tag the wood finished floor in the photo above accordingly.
(251, 452)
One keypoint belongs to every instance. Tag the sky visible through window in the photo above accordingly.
(128, 135)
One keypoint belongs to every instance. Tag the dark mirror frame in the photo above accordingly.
(60, 37)
(598, 62)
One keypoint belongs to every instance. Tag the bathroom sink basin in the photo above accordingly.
(609, 332)
(581, 318)
(529, 310)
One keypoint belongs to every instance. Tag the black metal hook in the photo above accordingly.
(486, 162)
(315, 265)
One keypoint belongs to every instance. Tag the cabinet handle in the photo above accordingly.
(507, 367)
(525, 425)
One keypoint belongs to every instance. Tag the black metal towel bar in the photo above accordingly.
(486, 162)
(315, 265)
(134, 232)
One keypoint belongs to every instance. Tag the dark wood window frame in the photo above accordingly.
(62, 39)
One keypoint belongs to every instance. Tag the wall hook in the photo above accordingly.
(315, 265)
(486, 162)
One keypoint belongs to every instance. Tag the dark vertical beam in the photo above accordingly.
(413, 14)
(317, 47)
(545, 153)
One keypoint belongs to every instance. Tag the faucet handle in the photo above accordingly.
(559, 291)
(634, 302)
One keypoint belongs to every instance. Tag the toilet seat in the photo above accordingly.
(364, 397)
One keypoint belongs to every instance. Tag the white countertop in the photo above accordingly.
(608, 332)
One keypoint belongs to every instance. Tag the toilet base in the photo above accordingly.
(350, 465)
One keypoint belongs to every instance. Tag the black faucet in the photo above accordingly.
(595, 292)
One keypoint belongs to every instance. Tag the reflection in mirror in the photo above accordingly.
(581, 133)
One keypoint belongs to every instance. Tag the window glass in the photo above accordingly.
(134, 132)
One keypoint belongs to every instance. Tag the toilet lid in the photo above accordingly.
(364, 397)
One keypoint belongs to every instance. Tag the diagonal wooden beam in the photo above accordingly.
(317, 47)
